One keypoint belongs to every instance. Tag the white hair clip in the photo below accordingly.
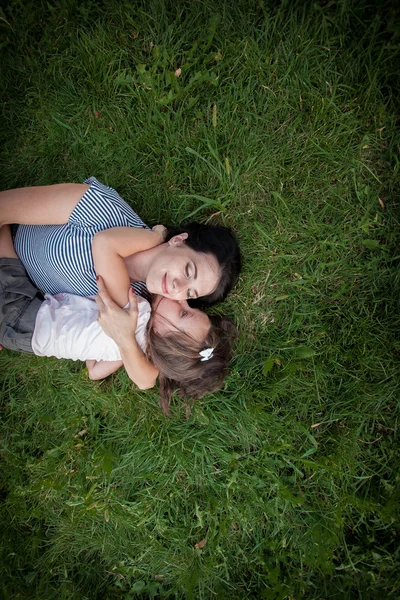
(206, 354)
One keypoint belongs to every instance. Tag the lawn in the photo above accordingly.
(279, 120)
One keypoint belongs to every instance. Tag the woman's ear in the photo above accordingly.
(179, 239)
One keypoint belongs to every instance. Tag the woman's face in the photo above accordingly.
(170, 316)
(180, 273)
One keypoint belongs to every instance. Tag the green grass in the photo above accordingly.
(281, 125)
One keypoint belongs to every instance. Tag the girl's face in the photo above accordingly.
(180, 273)
(170, 316)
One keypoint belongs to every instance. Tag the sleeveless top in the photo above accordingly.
(66, 327)
(58, 258)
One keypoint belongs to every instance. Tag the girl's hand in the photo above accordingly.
(118, 323)
(160, 229)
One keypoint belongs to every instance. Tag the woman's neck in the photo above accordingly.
(138, 264)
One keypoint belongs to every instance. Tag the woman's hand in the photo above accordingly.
(118, 323)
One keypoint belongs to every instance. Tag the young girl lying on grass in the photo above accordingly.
(185, 348)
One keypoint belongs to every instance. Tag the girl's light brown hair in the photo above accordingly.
(177, 357)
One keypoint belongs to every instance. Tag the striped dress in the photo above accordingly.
(58, 258)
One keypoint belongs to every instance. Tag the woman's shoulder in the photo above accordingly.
(101, 187)
(101, 207)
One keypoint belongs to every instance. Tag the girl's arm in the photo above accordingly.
(109, 248)
(102, 368)
(120, 325)
(41, 205)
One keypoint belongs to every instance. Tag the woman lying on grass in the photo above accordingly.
(188, 350)
(57, 226)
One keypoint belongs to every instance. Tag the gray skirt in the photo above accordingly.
(19, 305)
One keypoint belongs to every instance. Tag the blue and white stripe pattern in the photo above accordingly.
(58, 258)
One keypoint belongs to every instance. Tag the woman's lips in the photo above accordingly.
(164, 286)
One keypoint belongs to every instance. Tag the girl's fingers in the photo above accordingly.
(161, 230)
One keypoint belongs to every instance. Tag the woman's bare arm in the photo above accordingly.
(41, 205)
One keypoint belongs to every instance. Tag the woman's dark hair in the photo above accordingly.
(181, 368)
(219, 241)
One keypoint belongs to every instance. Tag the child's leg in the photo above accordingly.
(19, 300)
(6, 244)
(5, 249)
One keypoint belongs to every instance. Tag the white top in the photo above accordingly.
(66, 327)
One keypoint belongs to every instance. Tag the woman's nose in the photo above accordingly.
(178, 286)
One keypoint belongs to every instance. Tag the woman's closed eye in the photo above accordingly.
(191, 273)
